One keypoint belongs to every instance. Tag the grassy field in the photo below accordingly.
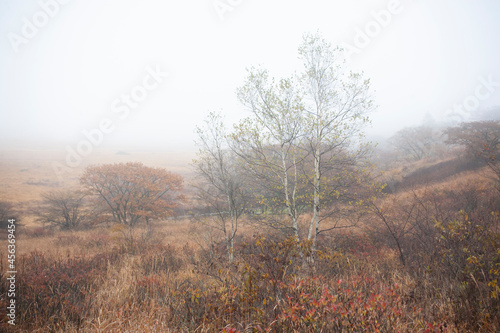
(26, 174)
(176, 277)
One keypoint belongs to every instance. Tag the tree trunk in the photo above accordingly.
(314, 225)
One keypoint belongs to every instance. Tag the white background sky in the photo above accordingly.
(65, 79)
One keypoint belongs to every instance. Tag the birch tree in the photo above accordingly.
(268, 140)
(336, 107)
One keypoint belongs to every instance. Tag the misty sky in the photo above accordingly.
(70, 74)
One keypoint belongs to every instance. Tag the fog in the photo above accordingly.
(68, 68)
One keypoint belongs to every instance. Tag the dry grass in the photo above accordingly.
(170, 281)
(152, 286)
(24, 174)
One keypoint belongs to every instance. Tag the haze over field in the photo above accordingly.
(67, 67)
(256, 166)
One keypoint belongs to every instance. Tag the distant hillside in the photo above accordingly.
(436, 172)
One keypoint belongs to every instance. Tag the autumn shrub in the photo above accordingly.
(279, 290)
(360, 304)
(469, 256)
(157, 267)
(452, 248)
(53, 292)
(276, 258)
(97, 239)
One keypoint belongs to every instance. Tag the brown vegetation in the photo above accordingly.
(422, 257)
(96, 280)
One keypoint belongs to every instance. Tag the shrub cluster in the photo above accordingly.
(54, 293)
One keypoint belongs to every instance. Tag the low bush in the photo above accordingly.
(55, 293)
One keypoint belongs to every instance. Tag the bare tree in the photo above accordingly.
(220, 187)
(63, 208)
(415, 143)
(398, 220)
(481, 139)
